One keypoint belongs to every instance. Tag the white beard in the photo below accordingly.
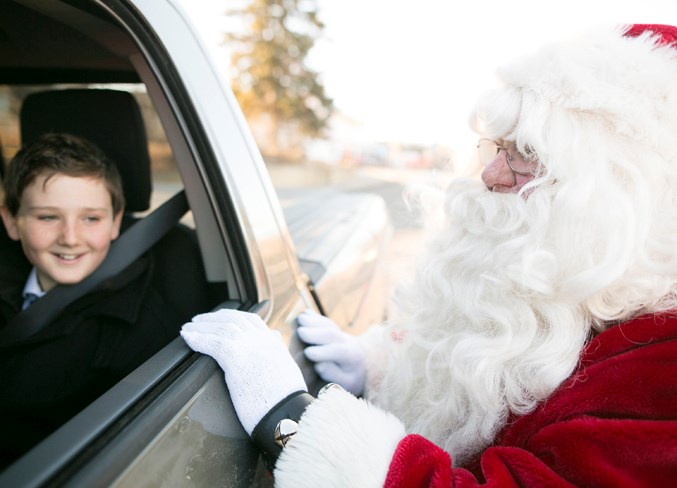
(486, 328)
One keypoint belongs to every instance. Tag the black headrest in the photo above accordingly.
(110, 119)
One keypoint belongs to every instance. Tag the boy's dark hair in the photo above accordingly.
(63, 154)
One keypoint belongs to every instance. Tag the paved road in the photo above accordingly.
(392, 193)
(407, 240)
(391, 184)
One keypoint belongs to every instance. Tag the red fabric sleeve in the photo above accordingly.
(418, 462)
(613, 423)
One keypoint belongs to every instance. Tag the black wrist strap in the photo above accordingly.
(263, 435)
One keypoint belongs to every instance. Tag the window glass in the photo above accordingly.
(102, 337)
(165, 176)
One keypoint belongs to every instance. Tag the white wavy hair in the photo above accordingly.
(511, 287)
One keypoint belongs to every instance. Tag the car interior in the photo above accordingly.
(67, 67)
(121, 135)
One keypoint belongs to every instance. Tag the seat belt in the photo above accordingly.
(133, 243)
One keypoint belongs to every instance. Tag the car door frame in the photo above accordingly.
(100, 443)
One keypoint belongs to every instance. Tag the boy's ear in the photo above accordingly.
(117, 221)
(10, 223)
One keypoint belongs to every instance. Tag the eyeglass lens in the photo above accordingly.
(488, 149)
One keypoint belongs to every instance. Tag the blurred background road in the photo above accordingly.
(389, 183)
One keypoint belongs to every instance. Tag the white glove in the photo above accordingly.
(338, 357)
(259, 370)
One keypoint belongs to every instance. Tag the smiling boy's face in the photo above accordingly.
(65, 225)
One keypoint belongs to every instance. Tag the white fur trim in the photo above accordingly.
(342, 442)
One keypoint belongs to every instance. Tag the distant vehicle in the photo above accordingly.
(171, 422)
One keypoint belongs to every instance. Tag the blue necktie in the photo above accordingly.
(29, 299)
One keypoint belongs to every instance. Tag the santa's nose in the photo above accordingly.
(497, 175)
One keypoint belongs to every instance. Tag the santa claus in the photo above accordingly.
(537, 344)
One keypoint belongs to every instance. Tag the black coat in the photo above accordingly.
(90, 346)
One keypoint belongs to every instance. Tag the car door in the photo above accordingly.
(170, 422)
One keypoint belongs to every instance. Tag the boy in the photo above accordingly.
(63, 206)
(64, 203)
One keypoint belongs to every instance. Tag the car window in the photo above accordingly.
(165, 176)
(190, 269)
(170, 420)
(160, 294)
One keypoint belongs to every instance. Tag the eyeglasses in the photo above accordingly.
(517, 162)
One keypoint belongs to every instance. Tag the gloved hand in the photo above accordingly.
(259, 370)
(338, 357)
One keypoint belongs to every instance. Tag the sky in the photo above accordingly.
(411, 70)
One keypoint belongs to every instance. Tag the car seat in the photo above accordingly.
(5, 242)
(2, 161)
(112, 120)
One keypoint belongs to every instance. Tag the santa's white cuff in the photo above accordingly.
(341, 441)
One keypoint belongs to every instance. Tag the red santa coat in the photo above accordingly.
(613, 423)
